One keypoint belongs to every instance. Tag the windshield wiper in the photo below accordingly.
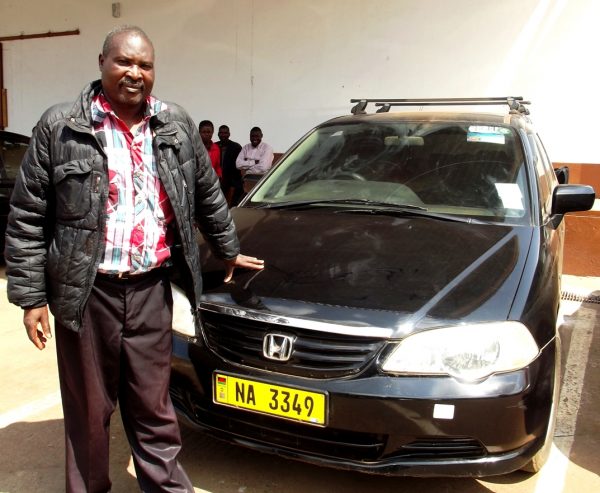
(373, 207)
(318, 202)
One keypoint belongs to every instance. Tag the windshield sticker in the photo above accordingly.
(489, 134)
(511, 195)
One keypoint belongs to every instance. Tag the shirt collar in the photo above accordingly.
(101, 108)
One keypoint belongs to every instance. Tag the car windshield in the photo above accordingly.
(451, 168)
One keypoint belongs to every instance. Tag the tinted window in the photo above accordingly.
(545, 172)
(548, 171)
(453, 168)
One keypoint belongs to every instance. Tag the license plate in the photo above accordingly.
(285, 402)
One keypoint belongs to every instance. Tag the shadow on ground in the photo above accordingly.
(584, 434)
(33, 458)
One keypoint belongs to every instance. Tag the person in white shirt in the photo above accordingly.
(256, 157)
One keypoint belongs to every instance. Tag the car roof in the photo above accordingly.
(435, 116)
(515, 113)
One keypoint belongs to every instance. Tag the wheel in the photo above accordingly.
(539, 459)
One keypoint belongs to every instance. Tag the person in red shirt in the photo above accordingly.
(207, 129)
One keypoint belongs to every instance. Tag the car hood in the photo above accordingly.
(364, 270)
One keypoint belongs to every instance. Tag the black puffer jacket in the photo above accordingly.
(55, 233)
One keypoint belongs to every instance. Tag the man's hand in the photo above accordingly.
(244, 262)
(34, 317)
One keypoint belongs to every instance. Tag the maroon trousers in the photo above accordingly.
(122, 354)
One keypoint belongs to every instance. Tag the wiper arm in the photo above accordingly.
(375, 203)
(407, 211)
(317, 202)
(290, 204)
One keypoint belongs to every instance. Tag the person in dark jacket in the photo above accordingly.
(105, 207)
(232, 184)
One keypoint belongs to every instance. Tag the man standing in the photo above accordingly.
(232, 178)
(103, 208)
(256, 157)
(207, 129)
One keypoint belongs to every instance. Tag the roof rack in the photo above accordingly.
(515, 103)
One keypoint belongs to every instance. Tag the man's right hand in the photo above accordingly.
(34, 318)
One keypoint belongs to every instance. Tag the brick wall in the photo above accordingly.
(582, 236)
(587, 174)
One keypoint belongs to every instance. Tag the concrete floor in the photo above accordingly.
(31, 429)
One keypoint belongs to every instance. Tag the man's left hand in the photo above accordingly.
(242, 261)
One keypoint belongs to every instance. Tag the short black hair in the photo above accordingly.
(223, 127)
(108, 41)
(255, 129)
(206, 123)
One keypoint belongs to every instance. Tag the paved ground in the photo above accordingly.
(31, 440)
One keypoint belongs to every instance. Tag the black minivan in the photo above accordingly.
(12, 149)
(406, 320)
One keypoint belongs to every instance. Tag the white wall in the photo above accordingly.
(288, 65)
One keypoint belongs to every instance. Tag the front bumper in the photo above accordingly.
(382, 424)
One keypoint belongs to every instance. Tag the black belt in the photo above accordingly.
(132, 277)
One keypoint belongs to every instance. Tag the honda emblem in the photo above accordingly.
(277, 347)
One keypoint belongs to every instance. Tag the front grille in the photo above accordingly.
(443, 448)
(273, 432)
(315, 354)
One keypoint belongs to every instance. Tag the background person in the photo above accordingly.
(256, 158)
(207, 129)
(232, 178)
(105, 202)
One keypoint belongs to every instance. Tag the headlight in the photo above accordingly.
(183, 320)
(469, 352)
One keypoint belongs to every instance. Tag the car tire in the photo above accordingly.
(539, 459)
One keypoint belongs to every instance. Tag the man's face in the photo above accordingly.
(127, 73)
(206, 132)
(224, 134)
(255, 137)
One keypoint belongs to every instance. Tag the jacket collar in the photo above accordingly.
(80, 114)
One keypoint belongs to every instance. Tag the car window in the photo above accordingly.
(12, 151)
(546, 176)
(452, 168)
(549, 173)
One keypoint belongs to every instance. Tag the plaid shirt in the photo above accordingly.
(138, 209)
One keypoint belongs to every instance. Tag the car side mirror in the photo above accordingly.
(572, 198)
(562, 174)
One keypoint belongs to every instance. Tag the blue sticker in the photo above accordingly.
(488, 134)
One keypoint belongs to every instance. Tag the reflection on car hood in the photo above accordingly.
(380, 271)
